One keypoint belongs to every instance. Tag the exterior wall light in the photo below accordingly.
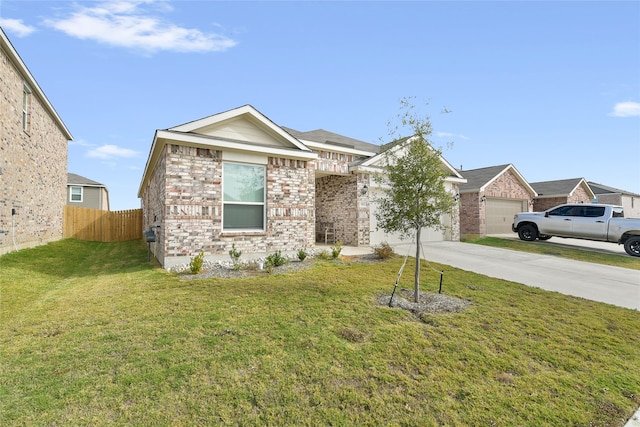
(364, 190)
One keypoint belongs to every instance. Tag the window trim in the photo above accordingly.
(71, 187)
(26, 106)
(239, 203)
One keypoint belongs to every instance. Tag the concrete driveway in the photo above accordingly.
(611, 285)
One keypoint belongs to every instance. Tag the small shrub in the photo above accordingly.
(235, 257)
(196, 263)
(336, 249)
(384, 250)
(276, 259)
(302, 254)
(324, 255)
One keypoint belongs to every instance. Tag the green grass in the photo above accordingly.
(548, 248)
(92, 334)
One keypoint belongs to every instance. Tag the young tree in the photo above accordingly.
(415, 196)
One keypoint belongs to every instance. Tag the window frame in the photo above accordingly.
(26, 104)
(226, 203)
(71, 194)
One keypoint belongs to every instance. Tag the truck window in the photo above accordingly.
(593, 211)
(562, 211)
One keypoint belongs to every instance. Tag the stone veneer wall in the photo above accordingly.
(33, 167)
(339, 201)
(473, 212)
(580, 195)
(185, 196)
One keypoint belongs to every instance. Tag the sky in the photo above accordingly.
(552, 87)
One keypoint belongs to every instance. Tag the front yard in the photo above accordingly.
(92, 334)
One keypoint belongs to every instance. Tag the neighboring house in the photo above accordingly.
(490, 198)
(614, 196)
(238, 178)
(86, 193)
(554, 193)
(33, 158)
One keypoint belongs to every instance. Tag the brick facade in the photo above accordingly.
(473, 211)
(184, 197)
(340, 201)
(580, 195)
(33, 165)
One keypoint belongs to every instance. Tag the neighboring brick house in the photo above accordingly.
(614, 196)
(238, 178)
(33, 158)
(490, 198)
(86, 193)
(554, 193)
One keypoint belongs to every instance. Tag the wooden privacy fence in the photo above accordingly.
(102, 226)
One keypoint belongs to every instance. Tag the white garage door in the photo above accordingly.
(379, 236)
(500, 214)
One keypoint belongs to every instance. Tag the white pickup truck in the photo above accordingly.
(604, 223)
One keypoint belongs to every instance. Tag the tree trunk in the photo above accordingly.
(416, 289)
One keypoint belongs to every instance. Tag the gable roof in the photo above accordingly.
(561, 188)
(246, 112)
(14, 57)
(73, 179)
(604, 189)
(374, 163)
(479, 179)
(243, 129)
(333, 139)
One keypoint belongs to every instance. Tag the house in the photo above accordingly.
(238, 178)
(614, 196)
(33, 157)
(86, 193)
(490, 198)
(554, 193)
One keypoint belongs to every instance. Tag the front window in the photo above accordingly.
(243, 196)
(75, 194)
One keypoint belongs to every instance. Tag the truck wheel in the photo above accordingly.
(528, 233)
(632, 246)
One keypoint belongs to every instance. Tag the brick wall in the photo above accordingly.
(473, 213)
(339, 201)
(33, 166)
(580, 195)
(185, 197)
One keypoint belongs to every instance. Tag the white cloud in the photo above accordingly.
(81, 142)
(131, 24)
(16, 26)
(451, 135)
(626, 109)
(110, 152)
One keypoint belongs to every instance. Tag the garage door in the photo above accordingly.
(379, 236)
(500, 214)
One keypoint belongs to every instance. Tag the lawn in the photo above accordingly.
(92, 334)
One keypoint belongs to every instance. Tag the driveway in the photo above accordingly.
(603, 283)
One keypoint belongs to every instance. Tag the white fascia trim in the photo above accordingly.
(14, 57)
(236, 113)
(584, 183)
(336, 148)
(207, 141)
(518, 175)
(379, 170)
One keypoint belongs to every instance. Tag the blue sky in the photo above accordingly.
(552, 87)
